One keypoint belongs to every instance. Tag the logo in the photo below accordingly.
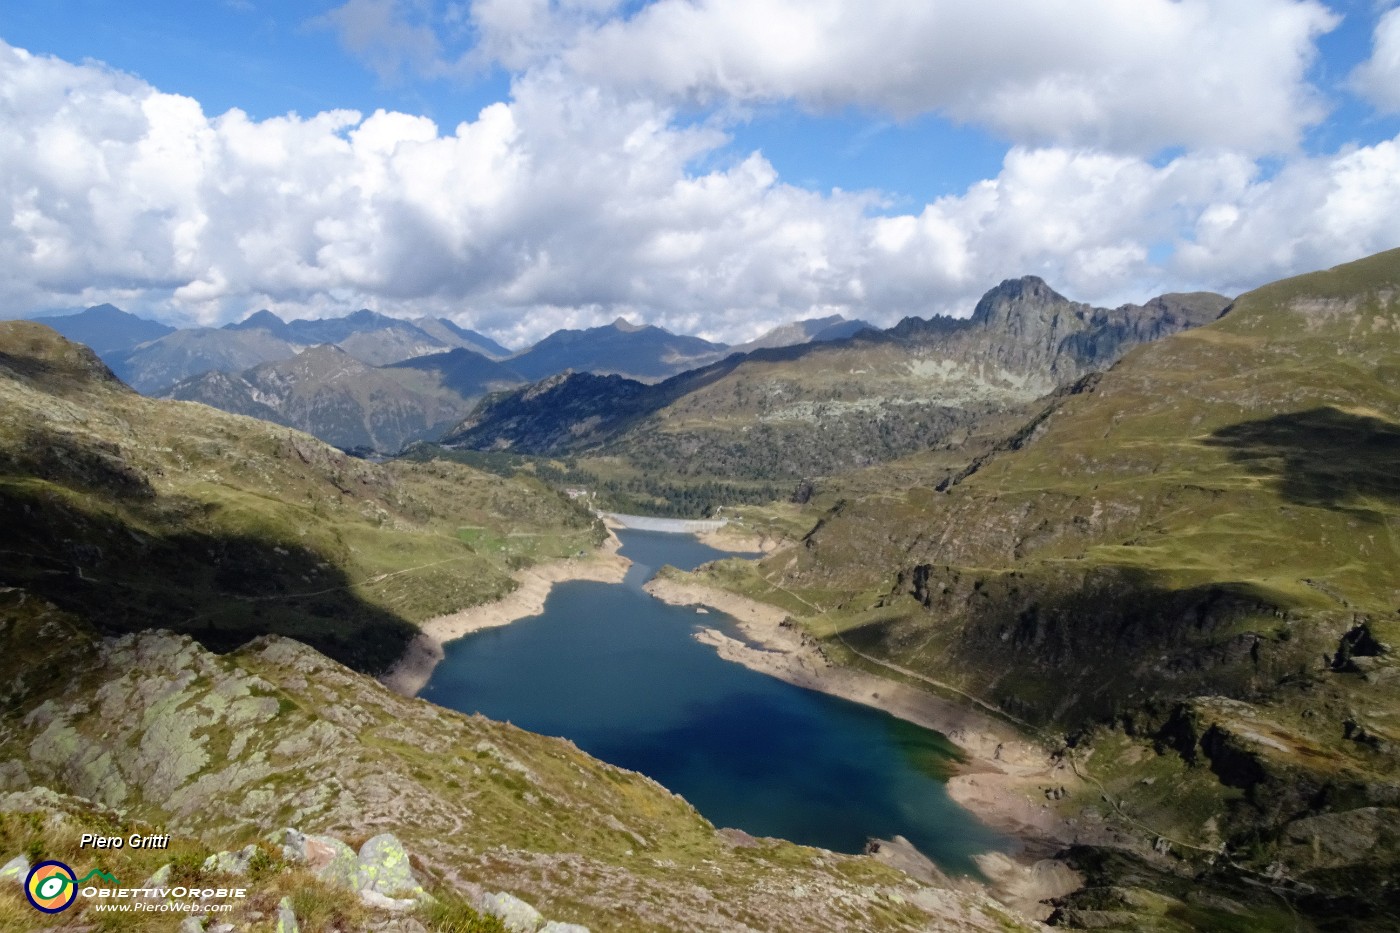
(53, 887)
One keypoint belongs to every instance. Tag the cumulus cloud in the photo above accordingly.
(1378, 78)
(1138, 76)
(1135, 76)
(569, 204)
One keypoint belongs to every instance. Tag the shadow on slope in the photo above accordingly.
(223, 589)
(1073, 646)
(1323, 457)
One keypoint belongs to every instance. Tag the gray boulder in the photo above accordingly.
(518, 916)
(231, 863)
(384, 869)
(16, 870)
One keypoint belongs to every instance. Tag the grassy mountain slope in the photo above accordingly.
(1193, 563)
(140, 513)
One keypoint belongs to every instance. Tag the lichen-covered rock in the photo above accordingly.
(161, 878)
(518, 916)
(16, 870)
(554, 926)
(231, 863)
(192, 925)
(385, 869)
(286, 919)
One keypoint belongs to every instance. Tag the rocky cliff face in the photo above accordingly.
(1025, 327)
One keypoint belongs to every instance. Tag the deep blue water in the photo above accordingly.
(619, 673)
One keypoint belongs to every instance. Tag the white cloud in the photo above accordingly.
(1129, 75)
(1133, 76)
(1378, 78)
(1313, 214)
(569, 205)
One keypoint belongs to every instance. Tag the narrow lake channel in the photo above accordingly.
(618, 672)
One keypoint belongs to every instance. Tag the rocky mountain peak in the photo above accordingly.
(261, 320)
(1026, 297)
(106, 310)
(365, 316)
(626, 326)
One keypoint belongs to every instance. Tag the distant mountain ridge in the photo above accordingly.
(786, 413)
(643, 352)
(327, 392)
(811, 330)
(106, 329)
(151, 357)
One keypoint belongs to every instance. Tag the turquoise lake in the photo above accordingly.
(618, 673)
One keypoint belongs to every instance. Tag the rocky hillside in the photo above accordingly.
(327, 392)
(781, 415)
(138, 513)
(226, 752)
(1191, 568)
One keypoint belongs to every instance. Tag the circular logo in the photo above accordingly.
(51, 887)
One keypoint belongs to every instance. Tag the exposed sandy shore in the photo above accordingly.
(412, 671)
(1005, 779)
(734, 537)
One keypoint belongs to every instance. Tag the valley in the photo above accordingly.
(1136, 564)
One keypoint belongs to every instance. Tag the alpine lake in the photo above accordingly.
(619, 673)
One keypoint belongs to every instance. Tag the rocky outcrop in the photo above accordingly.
(203, 745)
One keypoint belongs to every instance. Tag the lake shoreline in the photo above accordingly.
(414, 668)
(999, 780)
(1003, 774)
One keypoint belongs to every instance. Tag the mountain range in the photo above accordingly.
(777, 416)
(269, 368)
(328, 392)
(108, 330)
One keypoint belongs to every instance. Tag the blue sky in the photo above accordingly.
(714, 166)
